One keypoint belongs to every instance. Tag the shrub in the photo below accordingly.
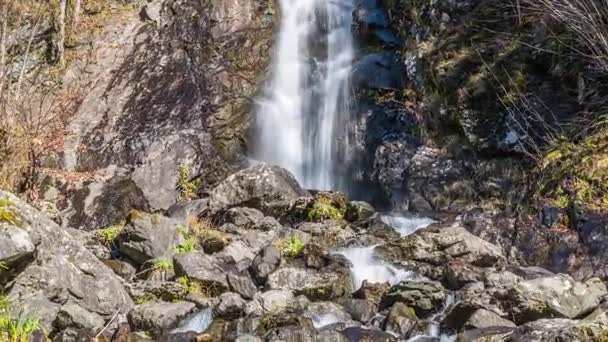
(185, 184)
(290, 246)
(190, 285)
(162, 265)
(324, 208)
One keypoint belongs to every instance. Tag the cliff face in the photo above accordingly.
(168, 87)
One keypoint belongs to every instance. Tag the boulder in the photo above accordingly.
(485, 319)
(316, 285)
(400, 320)
(433, 251)
(372, 292)
(61, 272)
(255, 187)
(271, 301)
(241, 283)
(559, 296)
(423, 296)
(560, 329)
(15, 243)
(202, 268)
(267, 260)
(159, 317)
(360, 309)
(243, 217)
(73, 316)
(149, 236)
(231, 306)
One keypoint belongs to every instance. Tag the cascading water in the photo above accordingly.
(301, 121)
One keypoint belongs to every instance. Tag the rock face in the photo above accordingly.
(61, 278)
(174, 91)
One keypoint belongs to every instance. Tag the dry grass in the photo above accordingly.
(588, 19)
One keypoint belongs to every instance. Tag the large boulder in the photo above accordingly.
(62, 280)
(316, 285)
(202, 268)
(159, 317)
(255, 187)
(424, 297)
(558, 296)
(149, 236)
(433, 251)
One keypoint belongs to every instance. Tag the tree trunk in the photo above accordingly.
(76, 15)
(61, 33)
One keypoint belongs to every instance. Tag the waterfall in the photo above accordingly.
(301, 120)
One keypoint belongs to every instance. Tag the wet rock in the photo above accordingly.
(265, 263)
(424, 297)
(360, 309)
(322, 311)
(203, 268)
(359, 211)
(316, 285)
(149, 236)
(400, 320)
(255, 187)
(159, 317)
(380, 70)
(431, 251)
(372, 292)
(231, 306)
(363, 334)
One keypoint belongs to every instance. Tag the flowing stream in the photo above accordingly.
(302, 118)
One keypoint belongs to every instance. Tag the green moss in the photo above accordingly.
(185, 183)
(108, 234)
(7, 212)
(269, 320)
(135, 214)
(193, 286)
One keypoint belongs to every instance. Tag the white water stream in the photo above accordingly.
(304, 110)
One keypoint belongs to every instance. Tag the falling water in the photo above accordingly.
(301, 119)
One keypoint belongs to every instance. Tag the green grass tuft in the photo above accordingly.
(324, 208)
(290, 246)
(162, 265)
(7, 213)
(108, 234)
(15, 328)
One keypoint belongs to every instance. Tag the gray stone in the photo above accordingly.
(267, 260)
(159, 317)
(231, 306)
(316, 285)
(242, 284)
(484, 319)
(201, 267)
(259, 184)
(425, 297)
(62, 270)
(73, 316)
(15, 243)
(149, 236)
(243, 217)
(400, 320)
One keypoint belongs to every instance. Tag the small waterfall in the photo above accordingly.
(301, 121)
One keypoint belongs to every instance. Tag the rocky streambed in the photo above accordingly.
(260, 258)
